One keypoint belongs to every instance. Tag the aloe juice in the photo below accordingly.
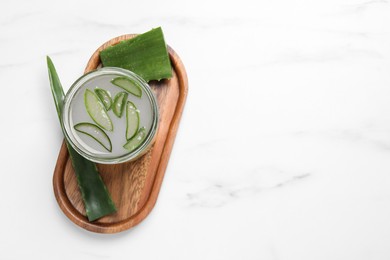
(104, 116)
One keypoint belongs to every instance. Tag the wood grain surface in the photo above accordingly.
(134, 186)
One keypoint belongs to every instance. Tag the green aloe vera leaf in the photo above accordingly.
(97, 200)
(136, 140)
(97, 111)
(128, 84)
(132, 120)
(96, 133)
(105, 97)
(119, 103)
(145, 55)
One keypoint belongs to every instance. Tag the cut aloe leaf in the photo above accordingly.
(119, 103)
(97, 200)
(132, 120)
(105, 97)
(96, 133)
(128, 84)
(97, 111)
(136, 141)
(145, 55)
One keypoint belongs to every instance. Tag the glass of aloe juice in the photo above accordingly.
(110, 115)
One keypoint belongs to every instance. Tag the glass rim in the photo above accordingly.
(96, 157)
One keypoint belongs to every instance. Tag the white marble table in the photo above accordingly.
(283, 152)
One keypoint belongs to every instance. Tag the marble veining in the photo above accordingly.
(336, 54)
(18, 18)
(218, 195)
(370, 137)
(364, 6)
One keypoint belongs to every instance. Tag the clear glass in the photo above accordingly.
(72, 108)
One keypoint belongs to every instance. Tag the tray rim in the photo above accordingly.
(58, 182)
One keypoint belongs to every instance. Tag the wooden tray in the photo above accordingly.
(134, 186)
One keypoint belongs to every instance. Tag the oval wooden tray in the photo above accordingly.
(134, 186)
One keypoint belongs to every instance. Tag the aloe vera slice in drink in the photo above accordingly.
(145, 55)
(97, 200)
(119, 103)
(96, 133)
(132, 120)
(137, 139)
(105, 97)
(128, 85)
(97, 111)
